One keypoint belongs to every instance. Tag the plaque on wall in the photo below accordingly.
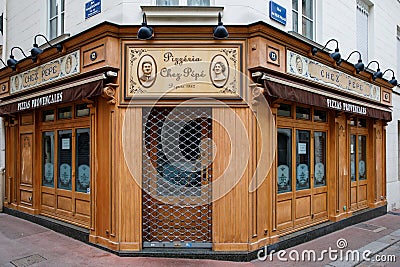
(191, 71)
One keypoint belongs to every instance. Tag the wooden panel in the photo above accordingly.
(353, 195)
(4, 88)
(26, 197)
(26, 119)
(48, 200)
(362, 193)
(130, 175)
(319, 203)
(26, 158)
(94, 55)
(284, 212)
(64, 203)
(82, 207)
(230, 176)
(303, 207)
(268, 54)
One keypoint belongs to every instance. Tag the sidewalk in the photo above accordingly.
(23, 243)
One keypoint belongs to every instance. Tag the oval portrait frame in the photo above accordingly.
(139, 73)
(214, 60)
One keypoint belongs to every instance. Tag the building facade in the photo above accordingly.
(164, 141)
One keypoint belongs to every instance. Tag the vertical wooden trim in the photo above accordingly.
(93, 167)
(112, 173)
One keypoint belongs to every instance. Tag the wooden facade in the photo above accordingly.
(240, 216)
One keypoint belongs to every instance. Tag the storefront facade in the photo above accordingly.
(188, 142)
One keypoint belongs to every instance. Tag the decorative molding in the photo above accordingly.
(109, 93)
(256, 91)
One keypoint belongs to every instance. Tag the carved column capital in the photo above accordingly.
(109, 93)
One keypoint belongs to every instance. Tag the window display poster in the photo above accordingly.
(302, 148)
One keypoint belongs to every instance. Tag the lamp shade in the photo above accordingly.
(12, 63)
(220, 32)
(145, 32)
(359, 66)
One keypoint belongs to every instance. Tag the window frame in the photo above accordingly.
(300, 15)
(59, 16)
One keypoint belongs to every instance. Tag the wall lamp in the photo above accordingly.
(393, 81)
(11, 62)
(359, 65)
(378, 73)
(35, 51)
(335, 55)
(220, 32)
(145, 32)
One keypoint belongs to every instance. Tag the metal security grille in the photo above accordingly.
(177, 154)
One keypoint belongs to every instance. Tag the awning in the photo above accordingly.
(299, 93)
(85, 88)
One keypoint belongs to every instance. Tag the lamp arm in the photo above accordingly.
(337, 44)
(387, 70)
(3, 62)
(19, 49)
(43, 37)
(353, 53)
(371, 62)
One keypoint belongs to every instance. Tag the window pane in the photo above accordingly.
(83, 160)
(48, 115)
(53, 28)
(284, 173)
(53, 8)
(62, 5)
(319, 159)
(285, 110)
(295, 19)
(362, 157)
(308, 8)
(64, 159)
(302, 113)
(65, 113)
(198, 2)
(353, 157)
(308, 28)
(302, 159)
(362, 123)
(295, 5)
(48, 159)
(167, 2)
(62, 24)
(319, 115)
(82, 110)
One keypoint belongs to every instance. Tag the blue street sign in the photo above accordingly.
(92, 8)
(277, 12)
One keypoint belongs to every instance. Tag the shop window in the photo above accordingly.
(183, 2)
(285, 110)
(284, 177)
(302, 159)
(319, 159)
(82, 110)
(362, 123)
(56, 10)
(83, 160)
(319, 115)
(65, 112)
(48, 159)
(48, 115)
(64, 159)
(358, 157)
(303, 17)
(303, 113)
(362, 157)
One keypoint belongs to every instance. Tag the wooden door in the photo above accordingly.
(301, 164)
(11, 162)
(358, 170)
(65, 168)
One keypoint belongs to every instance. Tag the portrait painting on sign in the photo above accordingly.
(146, 71)
(219, 71)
